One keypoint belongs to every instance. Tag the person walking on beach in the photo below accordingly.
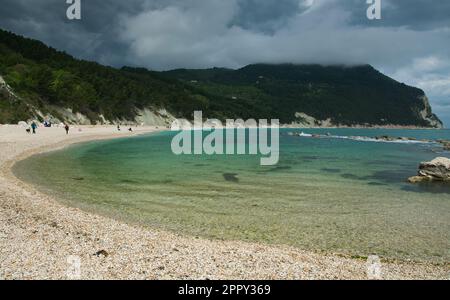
(66, 127)
(33, 127)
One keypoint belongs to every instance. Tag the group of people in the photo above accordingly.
(34, 126)
(129, 129)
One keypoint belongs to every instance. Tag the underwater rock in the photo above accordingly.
(230, 177)
(385, 138)
(418, 179)
(445, 143)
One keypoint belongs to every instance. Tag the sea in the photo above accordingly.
(332, 191)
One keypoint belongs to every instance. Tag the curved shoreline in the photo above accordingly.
(38, 234)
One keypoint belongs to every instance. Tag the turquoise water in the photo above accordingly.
(325, 194)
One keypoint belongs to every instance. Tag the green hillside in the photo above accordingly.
(45, 80)
(347, 95)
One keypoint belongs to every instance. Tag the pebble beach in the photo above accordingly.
(40, 238)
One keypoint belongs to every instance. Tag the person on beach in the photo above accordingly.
(33, 127)
(66, 127)
(118, 127)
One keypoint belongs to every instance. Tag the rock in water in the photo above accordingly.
(418, 179)
(446, 145)
(436, 170)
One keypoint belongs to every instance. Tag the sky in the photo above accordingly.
(411, 41)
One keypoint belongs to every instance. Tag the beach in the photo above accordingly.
(40, 237)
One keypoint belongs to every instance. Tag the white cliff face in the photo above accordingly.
(6, 88)
(428, 115)
(152, 117)
(147, 116)
(304, 120)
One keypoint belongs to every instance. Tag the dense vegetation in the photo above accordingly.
(347, 95)
(45, 79)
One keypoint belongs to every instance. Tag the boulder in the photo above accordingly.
(385, 138)
(436, 170)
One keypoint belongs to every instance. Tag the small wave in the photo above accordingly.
(375, 140)
(301, 134)
(365, 138)
(305, 134)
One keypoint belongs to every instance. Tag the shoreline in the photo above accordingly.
(38, 234)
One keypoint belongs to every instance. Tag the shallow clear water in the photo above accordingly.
(325, 194)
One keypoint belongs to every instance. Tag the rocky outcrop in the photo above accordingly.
(436, 170)
(427, 115)
(386, 138)
(146, 116)
(445, 144)
(305, 121)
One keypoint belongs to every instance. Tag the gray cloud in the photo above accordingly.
(265, 16)
(410, 43)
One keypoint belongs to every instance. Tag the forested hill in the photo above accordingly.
(346, 95)
(41, 82)
(46, 80)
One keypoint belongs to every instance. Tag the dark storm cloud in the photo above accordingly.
(94, 37)
(266, 16)
(410, 43)
(102, 33)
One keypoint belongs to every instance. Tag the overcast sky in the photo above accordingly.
(411, 42)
